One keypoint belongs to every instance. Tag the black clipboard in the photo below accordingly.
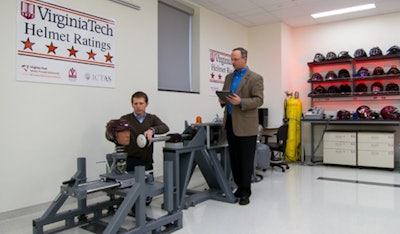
(222, 94)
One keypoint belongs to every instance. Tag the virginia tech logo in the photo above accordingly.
(72, 73)
(27, 10)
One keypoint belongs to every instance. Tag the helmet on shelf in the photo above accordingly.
(343, 73)
(392, 87)
(361, 87)
(319, 89)
(318, 57)
(343, 115)
(378, 71)
(363, 71)
(375, 51)
(393, 50)
(114, 126)
(390, 112)
(333, 89)
(316, 77)
(374, 115)
(345, 88)
(363, 112)
(331, 56)
(377, 87)
(360, 53)
(330, 75)
(393, 70)
(344, 54)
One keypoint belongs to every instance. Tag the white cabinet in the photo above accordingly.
(375, 149)
(340, 148)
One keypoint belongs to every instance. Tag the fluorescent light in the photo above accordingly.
(343, 10)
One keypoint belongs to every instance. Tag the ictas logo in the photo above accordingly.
(98, 77)
(27, 10)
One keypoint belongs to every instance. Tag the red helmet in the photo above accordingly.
(377, 87)
(343, 115)
(390, 112)
(114, 126)
(363, 112)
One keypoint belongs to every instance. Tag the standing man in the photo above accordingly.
(241, 121)
(142, 123)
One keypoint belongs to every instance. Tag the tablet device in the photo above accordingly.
(222, 94)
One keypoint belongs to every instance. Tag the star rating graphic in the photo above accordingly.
(28, 44)
(108, 57)
(91, 54)
(72, 52)
(52, 48)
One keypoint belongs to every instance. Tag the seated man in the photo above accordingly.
(142, 123)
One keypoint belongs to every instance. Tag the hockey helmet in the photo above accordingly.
(393, 70)
(361, 87)
(330, 75)
(344, 54)
(343, 73)
(318, 57)
(390, 112)
(360, 53)
(114, 126)
(363, 112)
(375, 51)
(333, 89)
(316, 77)
(319, 89)
(378, 71)
(343, 115)
(345, 88)
(393, 50)
(392, 87)
(377, 87)
(363, 71)
(331, 56)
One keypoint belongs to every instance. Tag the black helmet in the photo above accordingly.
(114, 126)
(393, 50)
(393, 70)
(361, 87)
(331, 56)
(375, 51)
(319, 89)
(363, 71)
(318, 57)
(316, 77)
(360, 53)
(374, 115)
(343, 115)
(378, 71)
(392, 87)
(377, 87)
(344, 54)
(363, 112)
(345, 88)
(330, 75)
(390, 112)
(343, 73)
(333, 89)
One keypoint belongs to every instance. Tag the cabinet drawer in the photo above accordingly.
(340, 145)
(369, 158)
(376, 137)
(376, 146)
(340, 136)
(339, 156)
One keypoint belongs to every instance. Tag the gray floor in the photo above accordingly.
(305, 199)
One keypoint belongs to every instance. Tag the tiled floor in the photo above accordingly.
(345, 200)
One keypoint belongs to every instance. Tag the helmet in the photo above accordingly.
(331, 56)
(393, 50)
(361, 88)
(392, 87)
(318, 57)
(360, 53)
(333, 89)
(375, 51)
(316, 77)
(377, 87)
(330, 75)
(319, 89)
(363, 71)
(114, 126)
(344, 54)
(393, 70)
(343, 73)
(378, 71)
(374, 115)
(390, 112)
(343, 114)
(345, 88)
(363, 112)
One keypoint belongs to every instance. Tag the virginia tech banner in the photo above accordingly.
(64, 46)
(220, 66)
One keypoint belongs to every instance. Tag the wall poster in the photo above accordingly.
(220, 66)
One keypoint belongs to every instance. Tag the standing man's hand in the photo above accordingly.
(234, 99)
(149, 134)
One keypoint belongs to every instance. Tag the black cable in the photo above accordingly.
(319, 143)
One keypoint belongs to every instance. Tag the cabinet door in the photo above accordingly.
(340, 148)
(375, 149)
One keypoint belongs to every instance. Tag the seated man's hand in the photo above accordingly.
(149, 134)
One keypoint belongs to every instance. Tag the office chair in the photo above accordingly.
(278, 148)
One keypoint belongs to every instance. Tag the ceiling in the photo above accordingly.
(295, 13)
